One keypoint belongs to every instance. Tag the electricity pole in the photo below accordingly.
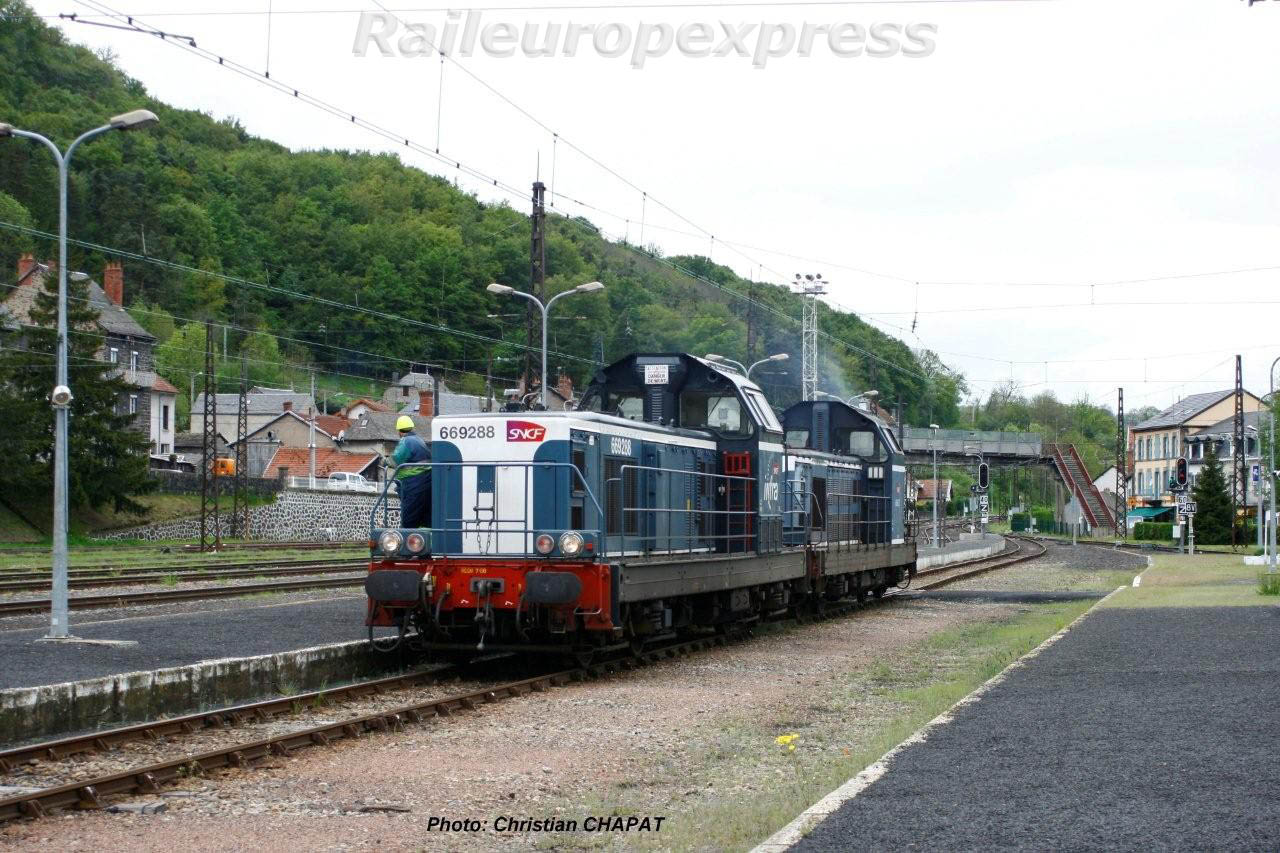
(537, 277)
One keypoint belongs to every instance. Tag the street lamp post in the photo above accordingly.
(61, 397)
(777, 356)
(504, 290)
(746, 371)
(933, 442)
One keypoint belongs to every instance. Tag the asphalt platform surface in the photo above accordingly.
(175, 635)
(1151, 729)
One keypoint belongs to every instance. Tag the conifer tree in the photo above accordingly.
(107, 456)
(1213, 504)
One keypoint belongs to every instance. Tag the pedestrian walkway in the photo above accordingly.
(1150, 725)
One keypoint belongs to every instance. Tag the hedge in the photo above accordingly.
(1153, 531)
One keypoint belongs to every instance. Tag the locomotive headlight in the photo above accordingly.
(571, 544)
(415, 542)
(545, 543)
(390, 541)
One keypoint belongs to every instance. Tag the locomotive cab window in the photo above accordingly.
(722, 413)
(797, 438)
(866, 444)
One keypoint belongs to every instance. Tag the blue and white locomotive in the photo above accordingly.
(672, 500)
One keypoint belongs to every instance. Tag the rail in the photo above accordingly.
(696, 532)
(486, 532)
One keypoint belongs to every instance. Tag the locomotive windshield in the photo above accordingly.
(722, 413)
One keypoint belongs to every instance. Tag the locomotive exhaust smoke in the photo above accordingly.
(758, 42)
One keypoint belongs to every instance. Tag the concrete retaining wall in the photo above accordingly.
(297, 515)
(972, 550)
(76, 706)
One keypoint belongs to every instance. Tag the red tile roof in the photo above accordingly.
(328, 460)
(927, 487)
(332, 424)
(371, 405)
(162, 385)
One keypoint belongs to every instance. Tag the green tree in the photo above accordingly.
(1213, 503)
(107, 455)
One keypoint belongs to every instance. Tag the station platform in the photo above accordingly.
(1148, 725)
(146, 662)
(148, 638)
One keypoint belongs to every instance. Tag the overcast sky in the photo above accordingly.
(1070, 142)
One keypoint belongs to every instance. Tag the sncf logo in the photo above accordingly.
(525, 431)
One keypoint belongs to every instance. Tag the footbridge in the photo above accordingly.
(954, 445)
(961, 446)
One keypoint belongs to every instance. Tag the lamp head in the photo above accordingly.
(589, 287)
(500, 289)
(78, 276)
(934, 426)
(61, 397)
(134, 120)
(6, 130)
(780, 356)
(714, 356)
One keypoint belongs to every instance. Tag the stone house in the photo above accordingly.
(362, 406)
(375, 432)
(1158, 441)
(264, 405)
(288, 429)
(151, 400)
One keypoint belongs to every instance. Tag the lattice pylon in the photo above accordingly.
(1121, 501)
(240, 499)
(210, 532)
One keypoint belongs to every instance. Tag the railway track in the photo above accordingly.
(92, 793)
(1021, 551)
(165, 596)
(84, 580)
(179, 566)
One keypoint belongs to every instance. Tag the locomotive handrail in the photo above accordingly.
(525, 532)
(848, 524)
(686, 511)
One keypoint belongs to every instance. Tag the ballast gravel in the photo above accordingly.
(564, 753)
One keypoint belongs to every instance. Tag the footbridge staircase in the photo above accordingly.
(1071, 469)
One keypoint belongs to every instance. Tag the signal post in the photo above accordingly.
(1186, 506)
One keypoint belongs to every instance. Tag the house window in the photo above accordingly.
(114, 355)
(164, 449)
(164, 418)
(133, 360)
(133, 404)
(1149, 447)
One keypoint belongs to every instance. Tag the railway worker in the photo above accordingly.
(413, 477)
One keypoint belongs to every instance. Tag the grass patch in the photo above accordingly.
(169, 580)
(1268, 583)
(748, 784)
(1205, 580)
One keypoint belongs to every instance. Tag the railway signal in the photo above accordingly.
(1180, 472)
(984, 476)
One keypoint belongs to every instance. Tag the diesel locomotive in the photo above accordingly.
(673, 499)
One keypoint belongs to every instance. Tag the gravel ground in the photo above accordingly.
(1062, 568)
(1141, 729)
(178, 634)
(679, 739)
(646, 732)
